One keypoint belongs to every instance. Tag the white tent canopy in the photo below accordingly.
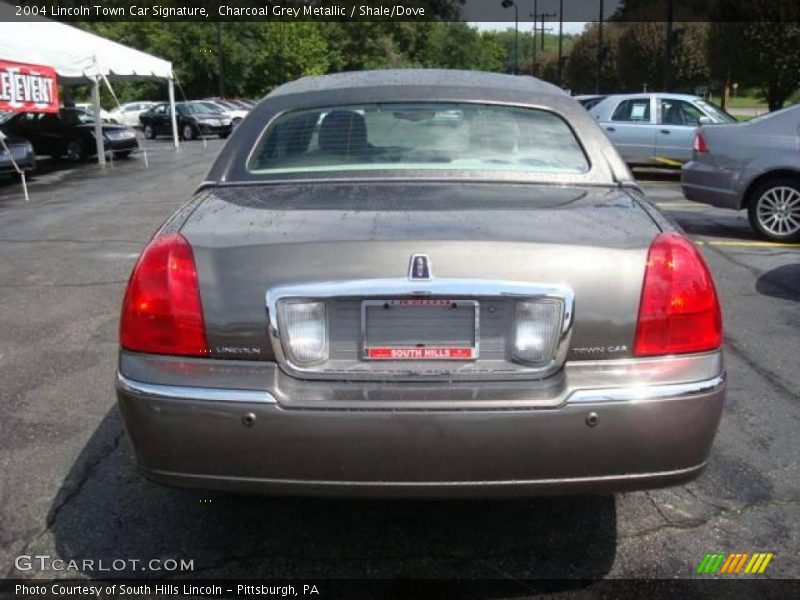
(78, 56)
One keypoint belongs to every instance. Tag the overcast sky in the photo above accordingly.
(569, 26)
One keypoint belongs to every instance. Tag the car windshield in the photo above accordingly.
(211, 107)
(716, 111)
(76, 116)
(192, 109)
(418, 136)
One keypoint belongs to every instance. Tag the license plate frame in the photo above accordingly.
(420, 352)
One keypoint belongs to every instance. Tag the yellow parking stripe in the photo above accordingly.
(746, 243)
(667, 161)
(681, 205)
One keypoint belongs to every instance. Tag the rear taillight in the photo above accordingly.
(699, 144)
(161, 313)
(679, 310)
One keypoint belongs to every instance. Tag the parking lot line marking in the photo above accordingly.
(746, 243)
(681, 205)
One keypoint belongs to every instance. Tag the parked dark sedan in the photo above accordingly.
(359, 302)
(193, 118)
(69, 133)
(17, 151)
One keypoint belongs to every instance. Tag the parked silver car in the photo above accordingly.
(658, 129)
(755, 166)
(360, 301)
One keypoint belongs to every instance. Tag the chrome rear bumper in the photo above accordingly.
(599, 439)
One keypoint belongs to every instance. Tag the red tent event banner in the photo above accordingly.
(27, 88)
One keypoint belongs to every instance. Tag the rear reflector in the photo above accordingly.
(679, 310)
(161, 313)
(699, 144)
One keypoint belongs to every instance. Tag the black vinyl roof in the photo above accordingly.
(443, 78)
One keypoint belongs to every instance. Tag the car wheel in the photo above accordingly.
(124, 154)
(76, 152)
(188, 132)
(149, 132)
(224, 135)
(774, 209)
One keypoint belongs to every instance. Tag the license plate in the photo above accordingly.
(420, 329)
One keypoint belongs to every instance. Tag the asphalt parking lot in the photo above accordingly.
(69, 488)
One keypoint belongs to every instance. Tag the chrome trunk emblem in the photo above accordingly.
(419, 267)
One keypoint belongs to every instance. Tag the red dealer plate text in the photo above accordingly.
(427, 353)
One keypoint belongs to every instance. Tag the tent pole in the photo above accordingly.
(173, 117)
(98, 123)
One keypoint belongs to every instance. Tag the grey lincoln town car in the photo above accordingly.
(420, 283)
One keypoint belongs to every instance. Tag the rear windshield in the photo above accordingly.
(418, 136)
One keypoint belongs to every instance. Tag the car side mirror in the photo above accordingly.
(704, 120)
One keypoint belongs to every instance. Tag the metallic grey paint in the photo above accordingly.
(739, 155)
(595, 419)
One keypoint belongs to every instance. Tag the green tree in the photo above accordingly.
(641, 55)
(755, 47)
(582, 65)
(459, 46)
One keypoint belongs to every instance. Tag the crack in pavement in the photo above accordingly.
(657, 507)
(69, 490)
(721, 514)
(668, 524)
(694, 494)
(85, 475)
(61, 285)
(772, 379)
(750, 269)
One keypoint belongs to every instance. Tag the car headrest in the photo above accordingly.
(674, 115)
(343, 131)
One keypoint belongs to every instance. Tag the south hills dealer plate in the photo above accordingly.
(420, 329)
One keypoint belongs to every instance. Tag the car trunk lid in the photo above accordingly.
(250, 239)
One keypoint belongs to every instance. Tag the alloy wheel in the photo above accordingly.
(75, 151)
(778, 211)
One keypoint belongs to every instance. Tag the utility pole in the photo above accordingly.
(535, 17)
(600, 54)
(668, 47)
(560, 36)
